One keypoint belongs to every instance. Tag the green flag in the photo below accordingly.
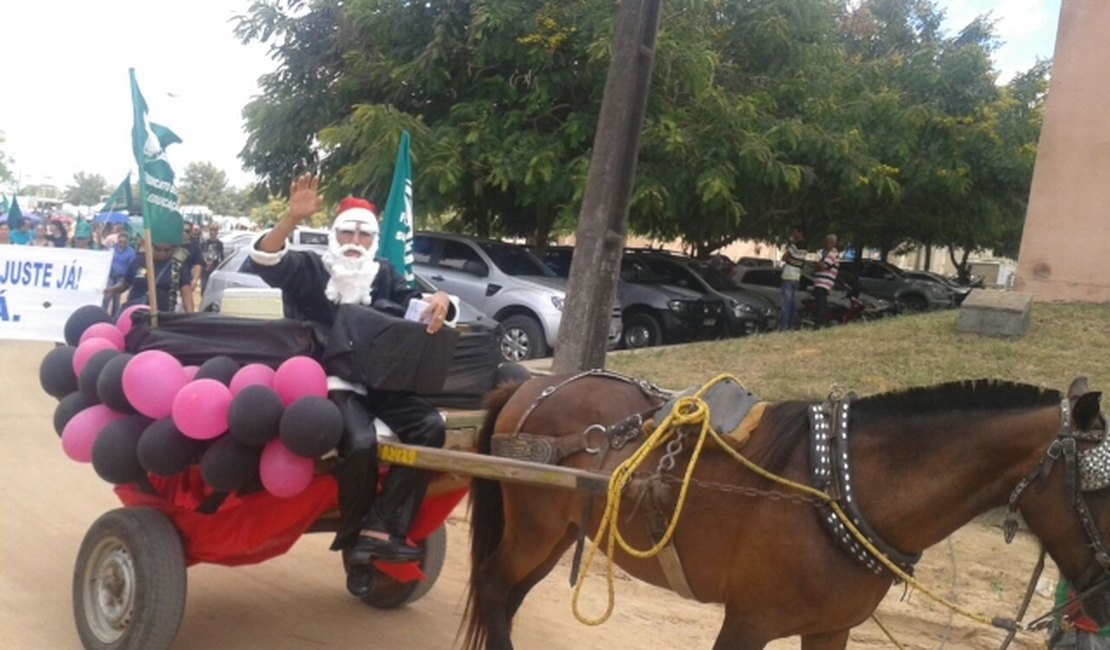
(122, 196)
(3, 204)
(395, 240)
(15, 215)
(149, 142)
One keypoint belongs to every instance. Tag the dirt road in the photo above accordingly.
(47, 502)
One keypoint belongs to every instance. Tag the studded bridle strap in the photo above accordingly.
(831, 472)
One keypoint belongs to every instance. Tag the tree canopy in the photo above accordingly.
(867, 120)
(87, 189)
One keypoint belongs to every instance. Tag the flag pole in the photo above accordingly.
(148, 237)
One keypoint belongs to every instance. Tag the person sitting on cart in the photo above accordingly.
(313, 286)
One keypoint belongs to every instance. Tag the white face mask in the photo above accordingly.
(352, 267)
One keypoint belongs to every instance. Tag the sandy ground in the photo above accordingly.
(47, 502)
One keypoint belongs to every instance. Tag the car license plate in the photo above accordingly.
(709, 322)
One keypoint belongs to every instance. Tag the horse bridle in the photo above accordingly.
(1084, 471)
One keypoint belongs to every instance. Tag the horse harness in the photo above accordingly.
(1084, 471)
(830, 472)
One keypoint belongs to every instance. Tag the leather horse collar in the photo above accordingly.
(830, 471)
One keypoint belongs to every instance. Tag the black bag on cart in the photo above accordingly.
(473, 368)
(196, 338)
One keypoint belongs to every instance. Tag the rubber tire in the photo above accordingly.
(143, 550)
(913, 304)
(650, 326)
(525, 331)
(387, 593)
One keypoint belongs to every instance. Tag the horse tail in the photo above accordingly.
(487, 523)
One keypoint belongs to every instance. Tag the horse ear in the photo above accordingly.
(1085, 411)
(1077, 388)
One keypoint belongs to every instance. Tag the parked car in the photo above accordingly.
(746, 312)
(887, 281)
(505, 281)
(843, 307)
(958, 291)
(652, 310)
(228, 275)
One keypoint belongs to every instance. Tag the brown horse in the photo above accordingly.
(923, 462)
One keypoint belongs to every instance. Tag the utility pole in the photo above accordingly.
(599, 239)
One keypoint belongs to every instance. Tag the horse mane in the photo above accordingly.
(790, 420)
(982, 394)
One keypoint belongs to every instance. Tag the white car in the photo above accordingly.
(505, 281)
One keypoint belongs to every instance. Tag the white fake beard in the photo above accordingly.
(351, 277)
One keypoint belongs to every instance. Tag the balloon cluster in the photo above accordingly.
(132, 414)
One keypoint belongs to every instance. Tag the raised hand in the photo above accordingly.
(304, 201)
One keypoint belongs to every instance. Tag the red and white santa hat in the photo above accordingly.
(354, 211)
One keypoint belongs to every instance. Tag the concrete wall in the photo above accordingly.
(1065, 247)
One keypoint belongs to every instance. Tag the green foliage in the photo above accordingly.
(863, 119)
(5, 162)
(87, 189)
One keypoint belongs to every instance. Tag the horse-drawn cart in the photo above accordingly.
(129, 583)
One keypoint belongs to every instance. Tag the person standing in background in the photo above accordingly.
(827, 269)
(213, 252)
(793, 260)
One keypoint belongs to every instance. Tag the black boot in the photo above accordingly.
(360, 580)
(356, 473)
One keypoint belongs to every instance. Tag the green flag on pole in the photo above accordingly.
(395, 241)
(15, 215)
(149, 142)
(122, 196)
(3, 204)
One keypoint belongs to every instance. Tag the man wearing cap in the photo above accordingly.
(313, 286)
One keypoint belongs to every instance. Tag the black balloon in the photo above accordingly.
(254, 415)
(165, 451)
(109, 385)
(311, 426)
(227, 464)
(70, 406)
(90, 373)
(81, 319)
(115, 453)
(222, 369)
(56, 372)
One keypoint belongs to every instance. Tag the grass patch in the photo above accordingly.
(1063, 341)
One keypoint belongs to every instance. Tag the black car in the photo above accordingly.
(746, 312)
(653, 311)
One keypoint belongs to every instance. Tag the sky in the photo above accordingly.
(65, 103)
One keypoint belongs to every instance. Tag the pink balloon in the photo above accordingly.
(104, 331)
(87, 348)
(191, 372)
(252, 374)
(300, 377)
(284, 474)
(123, 321)
(151, 381)
(82, 429)
(200, 409)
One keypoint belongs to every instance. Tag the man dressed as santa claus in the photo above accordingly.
(313, 286)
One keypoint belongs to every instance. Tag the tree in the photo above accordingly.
(87, 189)
(204, 184)
(5, 162)
(865, 118)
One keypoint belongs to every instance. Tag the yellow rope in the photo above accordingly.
(887, 633)
(689, 411)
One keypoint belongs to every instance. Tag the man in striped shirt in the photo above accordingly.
(825, 276)
(793, 260)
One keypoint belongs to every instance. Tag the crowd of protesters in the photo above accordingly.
(183, 269)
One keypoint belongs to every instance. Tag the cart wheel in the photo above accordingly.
(129, 582)
(387, 593)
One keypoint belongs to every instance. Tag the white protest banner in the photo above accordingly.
(40, 287)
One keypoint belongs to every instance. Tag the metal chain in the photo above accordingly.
(673, 449)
